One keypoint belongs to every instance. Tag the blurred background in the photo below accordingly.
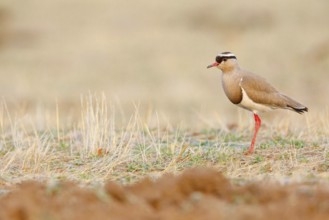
(154, 53)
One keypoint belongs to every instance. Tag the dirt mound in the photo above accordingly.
(197, 193)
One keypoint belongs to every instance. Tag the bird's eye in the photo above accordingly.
(224, 59)
(219, 59)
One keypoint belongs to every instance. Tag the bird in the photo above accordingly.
(251, 92)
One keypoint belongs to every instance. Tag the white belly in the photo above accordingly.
(250, 105)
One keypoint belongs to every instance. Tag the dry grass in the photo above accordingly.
(95, 147)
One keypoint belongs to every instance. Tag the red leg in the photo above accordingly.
(257, 126)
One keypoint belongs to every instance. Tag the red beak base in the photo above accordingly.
(212, 65)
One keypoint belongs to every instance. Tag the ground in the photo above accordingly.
(145, 172)
(198, 193)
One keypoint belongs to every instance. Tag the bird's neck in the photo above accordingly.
(231, 69)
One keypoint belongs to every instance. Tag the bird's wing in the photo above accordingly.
(261, 92)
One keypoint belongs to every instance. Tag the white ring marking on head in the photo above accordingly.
(226, 55)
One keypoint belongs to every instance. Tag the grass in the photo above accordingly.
(100, 146)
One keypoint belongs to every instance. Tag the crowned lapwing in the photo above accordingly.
(251, 92)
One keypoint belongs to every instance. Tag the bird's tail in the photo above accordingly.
(295, 106)
(299, 110)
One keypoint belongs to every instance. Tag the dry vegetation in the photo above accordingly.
(101, 145)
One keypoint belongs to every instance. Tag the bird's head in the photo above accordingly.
(225, 61)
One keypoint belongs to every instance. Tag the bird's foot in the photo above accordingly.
(249, 152)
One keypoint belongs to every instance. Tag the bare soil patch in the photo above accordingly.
(197, 193)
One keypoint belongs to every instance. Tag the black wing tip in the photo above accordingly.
(299, 110)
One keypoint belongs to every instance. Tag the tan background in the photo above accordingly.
(155, 53)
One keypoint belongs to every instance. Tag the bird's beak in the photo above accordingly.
(212, 65)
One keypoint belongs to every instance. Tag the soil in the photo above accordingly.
(198, 193)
